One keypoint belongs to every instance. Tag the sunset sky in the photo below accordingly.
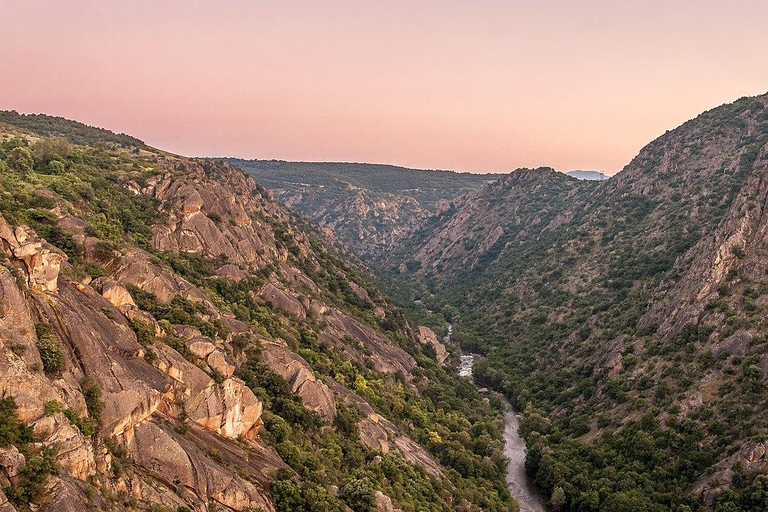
(481, 86)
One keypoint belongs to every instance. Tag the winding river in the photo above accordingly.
(514, 447)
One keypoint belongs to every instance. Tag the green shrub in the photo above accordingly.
(50, 353)
(12, 430)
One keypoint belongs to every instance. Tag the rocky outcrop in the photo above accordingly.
(281, 299)
(211, 216)
(229, 409)
(41, 261)
(197, 479)
(12, 463)
(315, 395)
(380, 434)
(428, 337)
(340, 329)
(384, 503)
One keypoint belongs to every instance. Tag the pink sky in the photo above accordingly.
(472, 86)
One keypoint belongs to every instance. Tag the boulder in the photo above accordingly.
(41, 261)
(383, 502)
(114, 292)
(219, 362)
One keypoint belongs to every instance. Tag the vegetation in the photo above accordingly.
(48, 347)
(569, 309)
(72, 169)
(32, 478)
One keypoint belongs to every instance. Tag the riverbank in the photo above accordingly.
(518, 483)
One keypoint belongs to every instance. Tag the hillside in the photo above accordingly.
(367, 206)
(174, 339)
(625, 318)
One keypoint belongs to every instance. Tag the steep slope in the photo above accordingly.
(172, 338)
(367, 206)
(626, 317)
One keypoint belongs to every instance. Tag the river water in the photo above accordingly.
(514, 447)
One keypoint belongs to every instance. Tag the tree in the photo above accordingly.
(359, 495)
(21, 160)
(55, 167)
(558, 499)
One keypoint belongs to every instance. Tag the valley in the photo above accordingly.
(623, 318)
(175, 338)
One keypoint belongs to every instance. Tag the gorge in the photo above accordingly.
(174, 338)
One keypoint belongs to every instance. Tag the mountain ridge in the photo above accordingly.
(367, 206)
(621, 312)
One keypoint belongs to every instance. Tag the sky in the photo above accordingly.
(479, 86)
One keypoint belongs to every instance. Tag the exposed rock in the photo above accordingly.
(177, 462)
(314, 393)
(201, 346)
(219, 362)
(383, 502)
(232, 272)
(428, 337)
(385, 356)
(378, 433)
(12, 463)
(114, 293)
(5, 506)
(75, 454)
(281, 299)
(41, 261)
(229, 409)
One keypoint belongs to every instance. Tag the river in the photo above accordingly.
(518, 482)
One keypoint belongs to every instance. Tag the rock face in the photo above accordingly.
(313, 392)
(385, 356)
(41, 260)
(428, 337)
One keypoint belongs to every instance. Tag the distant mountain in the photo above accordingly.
(368, 206)
(625, 318)
(588, 175)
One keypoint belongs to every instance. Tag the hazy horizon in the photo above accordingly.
(480, 87)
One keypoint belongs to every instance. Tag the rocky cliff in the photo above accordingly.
(173, 339)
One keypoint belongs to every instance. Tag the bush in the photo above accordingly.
(359, 495)
(50, 353)
(12, 430)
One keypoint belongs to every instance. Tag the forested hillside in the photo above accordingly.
(625, 318)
